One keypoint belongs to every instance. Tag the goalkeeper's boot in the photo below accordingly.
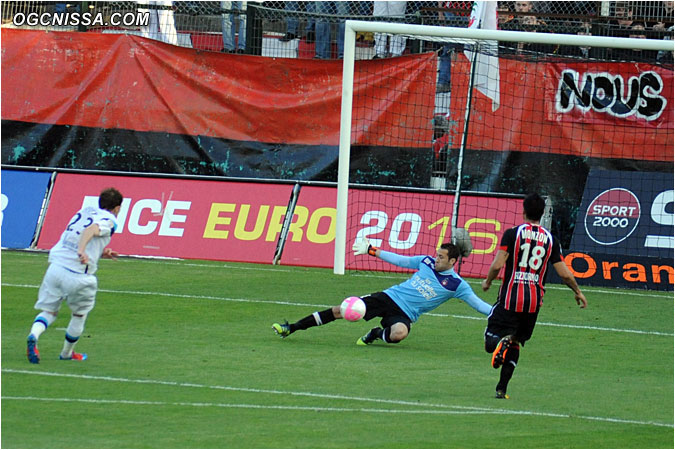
(282, 329)
(499, 355)
(501, 394)
(74, 357)
(32, 350)
(370, 337)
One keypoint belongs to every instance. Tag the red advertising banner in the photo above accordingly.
(234, 221)
(589, 109)
(129, 82)
(417, 223)
(178, 218)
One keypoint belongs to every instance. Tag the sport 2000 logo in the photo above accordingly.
(612, 216)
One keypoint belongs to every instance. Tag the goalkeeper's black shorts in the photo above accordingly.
(381, 305)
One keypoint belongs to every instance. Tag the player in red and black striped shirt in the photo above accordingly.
(524, 252)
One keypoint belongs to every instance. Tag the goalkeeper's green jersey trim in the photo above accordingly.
(427, 289)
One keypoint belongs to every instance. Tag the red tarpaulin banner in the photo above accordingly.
(588, 109)
(128, 82)
(234, 221)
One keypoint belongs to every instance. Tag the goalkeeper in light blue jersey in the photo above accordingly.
(434, 283)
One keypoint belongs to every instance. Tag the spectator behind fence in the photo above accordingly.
(448, 51)
(637, 31)
(515, 23)
(66, 7)
(503, 14)
(292, 21)
(623, 20)
(665, 15)
(229, 30)
(396, 42)
(534, 24)
(161, 25)
(663, 56)
(529, 22)
(364, 8)
(323, 28)
(585, 31)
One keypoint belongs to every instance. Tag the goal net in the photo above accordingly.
(585, 121)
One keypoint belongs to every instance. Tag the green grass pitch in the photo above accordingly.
(181, 355)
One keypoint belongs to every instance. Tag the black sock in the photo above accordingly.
(386, 336)
(313, 320)
(510, 362)
(491, 342)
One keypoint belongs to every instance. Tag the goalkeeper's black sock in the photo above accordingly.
(313, 320)
(386, 336)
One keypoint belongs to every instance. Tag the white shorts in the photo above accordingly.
(59, 283)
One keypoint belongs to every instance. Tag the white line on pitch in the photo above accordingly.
(183, 262)
(444, 408)
(248, 406)
(396, 276)
(561, 325)
(308, 305)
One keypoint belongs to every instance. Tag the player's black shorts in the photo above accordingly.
(502, 322)
(381, 305)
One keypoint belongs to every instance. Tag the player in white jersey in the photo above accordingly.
(70, 275)
(434, 283)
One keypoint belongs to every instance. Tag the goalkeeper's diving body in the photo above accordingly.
(434, 283)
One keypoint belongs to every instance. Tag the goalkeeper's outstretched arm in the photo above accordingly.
(409, 262)
(477, 303)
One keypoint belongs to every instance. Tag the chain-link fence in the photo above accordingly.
(306, 29)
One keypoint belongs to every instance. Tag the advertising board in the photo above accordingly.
(23, 193)
(238, 221)
(624, 231)
(626, 213)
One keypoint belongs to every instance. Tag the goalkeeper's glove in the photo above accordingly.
(362, 247)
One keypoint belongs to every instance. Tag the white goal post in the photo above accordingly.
(464, 35)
